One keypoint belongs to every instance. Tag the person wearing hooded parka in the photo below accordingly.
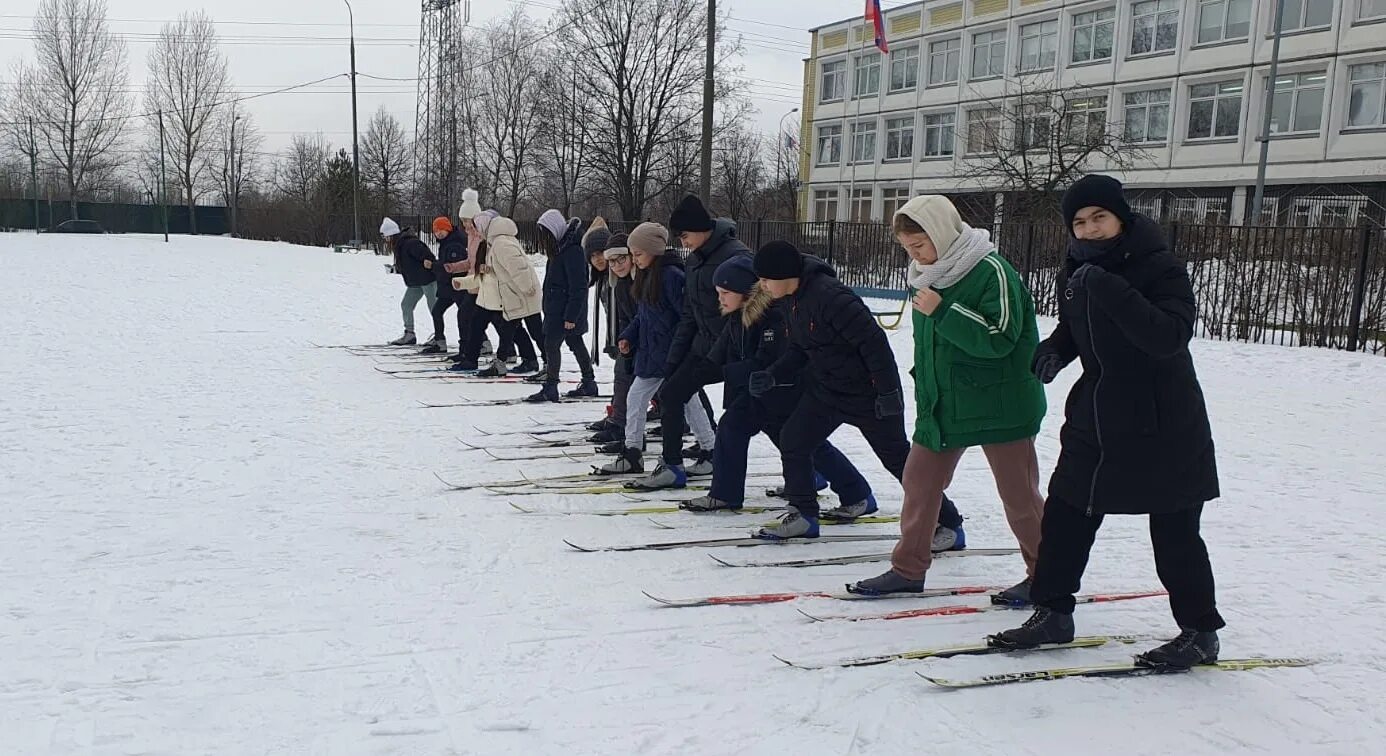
(1136, 437)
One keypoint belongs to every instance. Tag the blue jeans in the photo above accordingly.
(739, 424)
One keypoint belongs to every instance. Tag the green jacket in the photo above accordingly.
(972, 379)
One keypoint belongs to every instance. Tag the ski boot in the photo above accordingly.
(495, 370)
(819, 483)
(1190, 649)
(949, 539)
(542, 376)
(790, 525)
(1016, 596)
(1044, 626)
(486, 349)
(709, 504)
(407, 339)
(692, 452)
(585, 389)
(466, 368)
(630, 461)
(889, 581)
(612, 447)
(435, 345)
(664, 476)
(702, 464)
(607, 435)
(528, 366)
(601, 424)
(549, 393)
(849, 512)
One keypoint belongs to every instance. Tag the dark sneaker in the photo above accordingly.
(542, 376)
(528, 366)
(494, 370)
(407, 339)
(612, 447)
(462, 367)
(607, 435)
(1044, 626)
(708, 504)
(586, 388)
(1017, 595)
(888, 582)
(546, 394)
(601, 424)
(1190, 649)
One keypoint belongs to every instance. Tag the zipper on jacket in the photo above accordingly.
(1096, 420)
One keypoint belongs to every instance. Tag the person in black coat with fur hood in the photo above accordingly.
(1136, 437)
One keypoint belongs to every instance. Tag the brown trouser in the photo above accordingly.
(927, 475)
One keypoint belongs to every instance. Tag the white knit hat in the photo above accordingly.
(937, 216)
(389, 228)
(470, 207)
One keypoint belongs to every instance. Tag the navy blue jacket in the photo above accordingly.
(451, 249)
(410, 254)
(742, 350)
(651, 333)
(565, 284)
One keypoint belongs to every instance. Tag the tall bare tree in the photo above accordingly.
(738, 172)
(508, 124)
(566, 117)
(385, 159)
(240, 166)
(75, 92)
(299, 179)
(188, 83)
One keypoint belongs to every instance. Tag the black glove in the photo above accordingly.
(761, 382)
(889, 405)
(1046, 365)
(612, 352)
(1081, 276)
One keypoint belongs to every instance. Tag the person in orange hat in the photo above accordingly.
(454, 263)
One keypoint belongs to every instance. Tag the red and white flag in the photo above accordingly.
(874, 17)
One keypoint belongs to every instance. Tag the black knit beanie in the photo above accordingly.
(736, 274)
(1096, 191)
(690, 215)
(779, 260)
(596, 240)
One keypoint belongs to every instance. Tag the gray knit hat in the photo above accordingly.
(650, 238)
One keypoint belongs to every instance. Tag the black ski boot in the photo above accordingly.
(601, 424)
(1017, 595)
(888, 582)
(549, 393)
(1190, 649)
(585, 389)
(708, 504)
(607, 435)
(1044, 626)
(612, 447)
(528, 366)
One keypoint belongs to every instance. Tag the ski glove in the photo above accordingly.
(761, 382)
(1046, 365)
(1080, 277)
(889, 405)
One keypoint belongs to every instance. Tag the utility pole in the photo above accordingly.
(706, 187)
(234, 175)
(355, 141)
(163, 181)
(1259, 197)
(33, 172)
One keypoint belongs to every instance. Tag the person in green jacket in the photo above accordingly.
(974, 337)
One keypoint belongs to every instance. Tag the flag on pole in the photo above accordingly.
(877, 21)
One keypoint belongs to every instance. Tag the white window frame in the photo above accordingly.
(996, 121)
(1299, 84)
(899, 135)
(1034, 126)
(1300, 25)
(953, 52)
(867, 131)
(854, 205)
(839, 74)
(892, 199)
(1216, 98)
(1083, 110)
(1364, 16)
(1380, 81)
(1038, 33)
(1145, 109)
(993, 70)
(863, 68)
(836, 138)
(1156, 11)
(1150, 207)
(1199, 208)
(1224, 7)
(947, 135)
(1311, 210)
(825, 200)
(900, 58)
(1092, 20)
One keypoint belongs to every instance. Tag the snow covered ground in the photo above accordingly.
(219, 539)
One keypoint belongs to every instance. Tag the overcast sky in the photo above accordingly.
(312, 45)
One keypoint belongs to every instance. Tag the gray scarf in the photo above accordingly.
(954, 263)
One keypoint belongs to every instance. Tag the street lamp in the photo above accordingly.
(355, 140)
(234, 176)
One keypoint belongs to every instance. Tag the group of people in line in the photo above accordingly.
(799, 355)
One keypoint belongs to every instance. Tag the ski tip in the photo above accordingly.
(657, 599)
(939, 681)
(720, 561)
(786, 662)
(519, 508)
(583, 549)
(806, 614)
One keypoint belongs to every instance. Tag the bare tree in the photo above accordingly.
(239, 168)
(738, 172)
(385, 158)
(566, 116)
(508, 124)
(75, 93)
(299, 179)
(188, 83)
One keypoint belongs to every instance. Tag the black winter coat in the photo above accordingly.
(565, 285)
(744, 349)
(702, 319)
(833, 334)
(620, 305)
(1136, 437)
(410, 254)
(452, 249)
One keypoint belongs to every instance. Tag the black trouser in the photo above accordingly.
(466, 303)
(505, 330)
(553, 356)
(688, 379)
(623, 372)
(814, 420)
(1181, 561)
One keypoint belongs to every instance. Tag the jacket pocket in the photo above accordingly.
(979, 391)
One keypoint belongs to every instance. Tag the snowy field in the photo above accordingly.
(219, 539)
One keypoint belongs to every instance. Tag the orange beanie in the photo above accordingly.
(441, 225)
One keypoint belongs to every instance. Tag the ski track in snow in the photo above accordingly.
(219, 539)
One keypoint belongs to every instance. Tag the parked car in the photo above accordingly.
(78, 227)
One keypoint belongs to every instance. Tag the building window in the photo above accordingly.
(1215, 110)
(868, 75)
(1039, 46)
(1297, 15)
(1367, 103)
(1154, 26)
(904, 68)
(1034, 128)
(1087, 120)
(1148, 206)
(891, 202)
(1298, 103)
(1371, 9)
(1209, 210)
(1223, 20)
(983, 130)
(834, 76)
(944, 57)
(899, 138)
(860, 207)
(825, 204)
(829, 145)
(864, 142)
(989, 54)
(938, 134)
(1092, 35)
(1147, 116)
